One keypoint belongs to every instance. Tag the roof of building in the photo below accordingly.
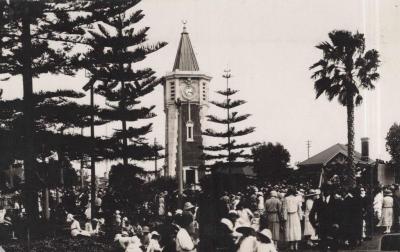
(327, 155)
(185, 59)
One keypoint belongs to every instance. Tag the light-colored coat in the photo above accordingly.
(292, 214)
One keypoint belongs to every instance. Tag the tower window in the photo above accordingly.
(189, 131)
(172, 87)
(204, 92)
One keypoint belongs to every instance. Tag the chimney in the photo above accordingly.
(364, 148)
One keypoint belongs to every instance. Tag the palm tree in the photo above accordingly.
(345, 69)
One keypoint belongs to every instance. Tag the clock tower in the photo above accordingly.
(185, 103)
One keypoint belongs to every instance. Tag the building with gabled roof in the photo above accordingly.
(315, 168)
(330, 154)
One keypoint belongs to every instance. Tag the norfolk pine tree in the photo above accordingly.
(116, 46)
(228, 154)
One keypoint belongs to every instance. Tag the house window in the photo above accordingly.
(189, 131)
(172, 90)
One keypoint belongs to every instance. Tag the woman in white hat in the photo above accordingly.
(247, 242)
(154, 245)
(264, 243)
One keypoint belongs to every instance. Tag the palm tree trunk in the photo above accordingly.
(350, 143)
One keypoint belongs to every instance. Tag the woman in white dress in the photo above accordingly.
(292, 214)
(387, 211)
(309, 231)
(245, 215)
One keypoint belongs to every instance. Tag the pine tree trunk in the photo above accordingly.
(46, 206)
(92, 158)
(350, 142)
(124, 139)
(125, 144)
(31, 196)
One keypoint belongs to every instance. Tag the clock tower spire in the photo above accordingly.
(185, 106)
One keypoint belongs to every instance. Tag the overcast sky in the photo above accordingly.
(269, 46)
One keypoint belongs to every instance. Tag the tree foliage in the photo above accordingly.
(115, 47)
(28, 31)
(229, 153)
(343, 71)
(270, 160)
(393, 143)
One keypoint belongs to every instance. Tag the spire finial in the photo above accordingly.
(227, 73)
(184, 22)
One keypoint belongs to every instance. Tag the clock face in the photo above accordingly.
(188, 92)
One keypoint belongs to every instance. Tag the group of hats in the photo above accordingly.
(266, 233)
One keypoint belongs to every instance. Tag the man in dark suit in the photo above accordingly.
(324, 216)
(396, 209)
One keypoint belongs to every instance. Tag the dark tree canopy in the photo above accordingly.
(115, 46)
(393, 143)
(28, 31)
(270, 160)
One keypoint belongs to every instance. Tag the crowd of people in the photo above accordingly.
(260, 218)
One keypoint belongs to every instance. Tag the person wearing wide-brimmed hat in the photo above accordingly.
(183, 241)
(247, 242)
(265, 243)
(309, 231)
(387, 210)
(225, 240)
(273, 211)
(154, 245)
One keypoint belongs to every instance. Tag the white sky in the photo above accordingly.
(269, 46)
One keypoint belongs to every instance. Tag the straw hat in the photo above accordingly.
(311, 192)
(146, 229)
(188, 206)
(228, 223)
(244, 229)
(388, 192)
(154, 233)
(70, 217)
(273, 193)
(266, 233)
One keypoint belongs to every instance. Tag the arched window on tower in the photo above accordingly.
(172, 88)
(189, 131)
